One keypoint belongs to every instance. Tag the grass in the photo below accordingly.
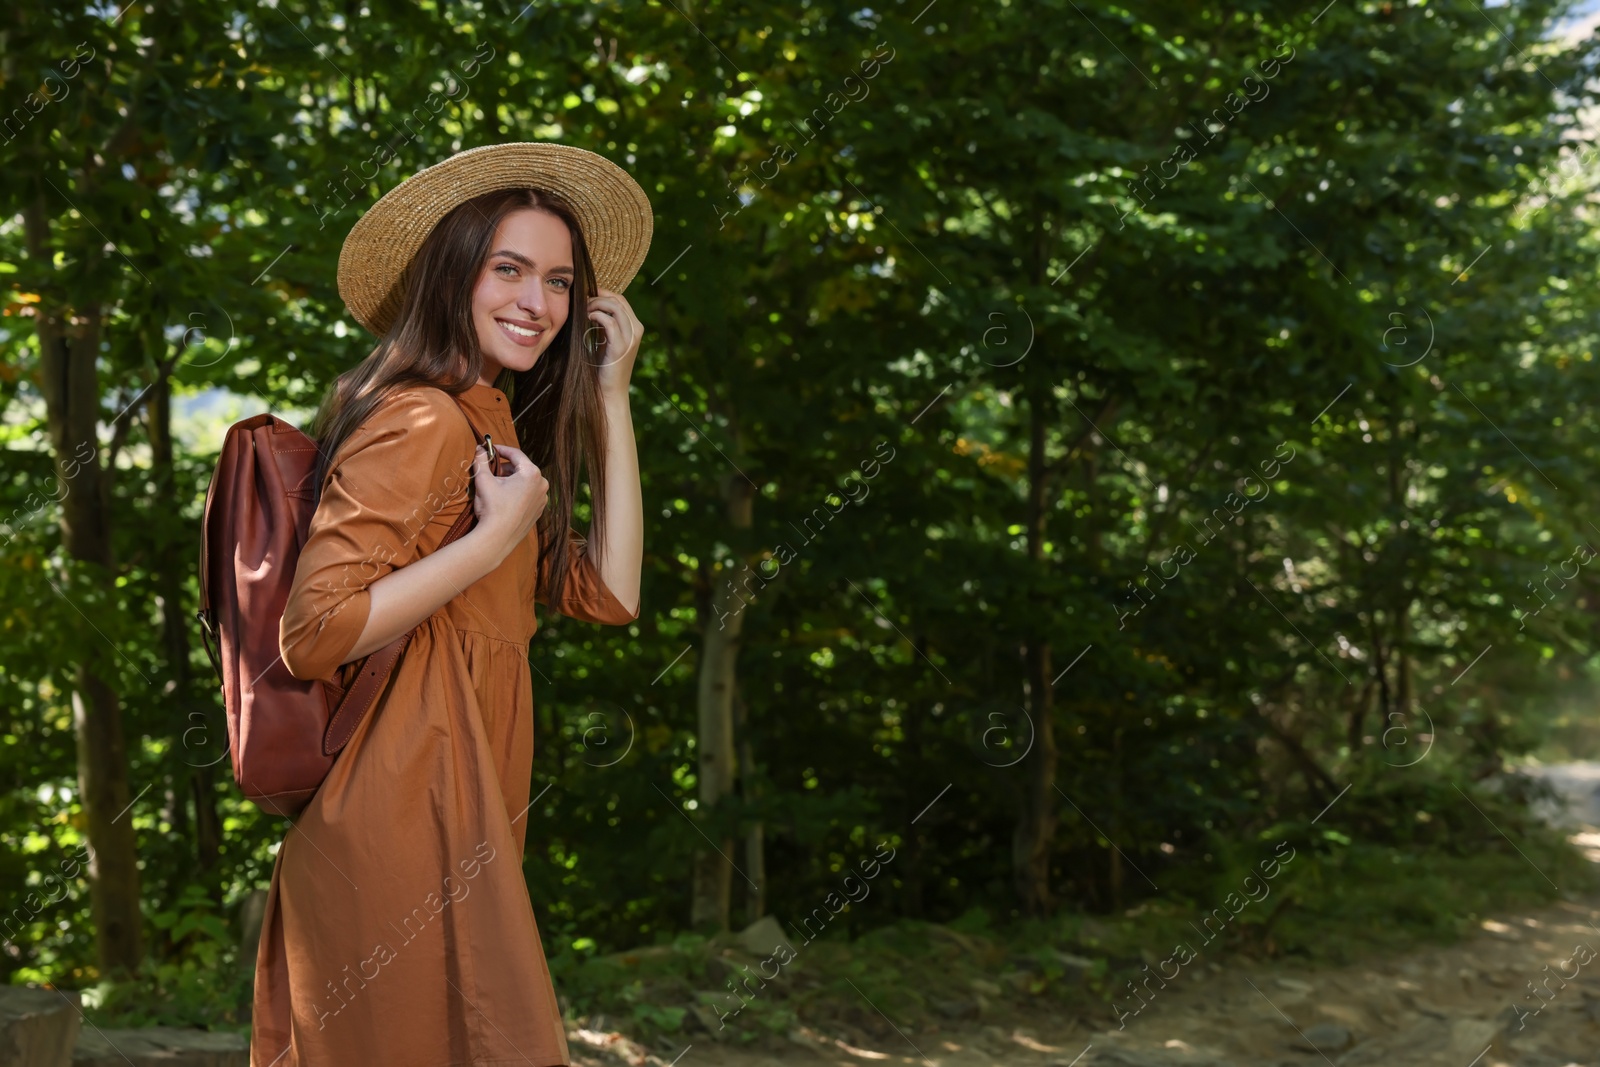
(1326, 900)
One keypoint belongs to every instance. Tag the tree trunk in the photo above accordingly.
(1114, 823)
(1380, 667)
(1036, 825)
(718, 680)
(1403, 681)
(1356, 724)
(755, 858)
(913, 877)
(113, 855)
(200, 746)
(69, 342)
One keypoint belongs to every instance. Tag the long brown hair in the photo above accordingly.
(560, 418)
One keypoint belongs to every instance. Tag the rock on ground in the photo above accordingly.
(37, 1027)
(160, 1046)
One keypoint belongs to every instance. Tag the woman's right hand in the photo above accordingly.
(507, 506)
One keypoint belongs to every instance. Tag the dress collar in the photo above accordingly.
(485, 398)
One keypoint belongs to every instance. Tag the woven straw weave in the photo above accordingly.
(613, 211)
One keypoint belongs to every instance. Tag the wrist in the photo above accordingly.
(488, 550)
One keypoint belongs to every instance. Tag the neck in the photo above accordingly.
(488, 371)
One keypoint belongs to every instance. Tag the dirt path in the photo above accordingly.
(1523, 992)
(1468, 1005)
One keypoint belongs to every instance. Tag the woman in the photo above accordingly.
(398, 928)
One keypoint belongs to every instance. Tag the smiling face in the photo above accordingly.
(523, 296)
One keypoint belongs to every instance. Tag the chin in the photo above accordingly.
(512, 357)
(520, 360)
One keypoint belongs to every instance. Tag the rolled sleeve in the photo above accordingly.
(394, 489)
(585, 596)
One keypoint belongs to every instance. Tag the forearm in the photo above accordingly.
(620, 556)
(406, 596)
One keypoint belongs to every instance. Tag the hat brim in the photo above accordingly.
(613, 210)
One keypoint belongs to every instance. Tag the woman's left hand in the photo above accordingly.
(612, 313)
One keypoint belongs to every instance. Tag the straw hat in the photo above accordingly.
(614, 212)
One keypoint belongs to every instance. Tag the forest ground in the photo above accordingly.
(1495, 999)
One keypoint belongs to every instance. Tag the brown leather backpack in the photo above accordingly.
(283, 733)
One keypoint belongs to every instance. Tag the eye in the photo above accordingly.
(506, 266)
(565, 284)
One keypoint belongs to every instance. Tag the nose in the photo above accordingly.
(532, 297)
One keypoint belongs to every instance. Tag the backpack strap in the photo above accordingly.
(375, 668)
(497, 463)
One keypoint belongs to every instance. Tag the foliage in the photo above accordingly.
(1337, 901)
(202, 983)
(1264, 407)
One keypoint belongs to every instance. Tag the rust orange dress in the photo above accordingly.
(398, 927)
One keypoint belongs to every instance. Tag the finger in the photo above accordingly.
(482, 476)
(518, 458)
(607, 339)
(621, 336)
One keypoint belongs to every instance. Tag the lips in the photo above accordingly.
(524, 334)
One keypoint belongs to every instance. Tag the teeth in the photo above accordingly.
(518, 330)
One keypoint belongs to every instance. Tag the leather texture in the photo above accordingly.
(284, 734)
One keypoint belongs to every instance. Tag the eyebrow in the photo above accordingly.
(526, 262)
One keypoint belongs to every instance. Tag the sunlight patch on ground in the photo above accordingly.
(1588, 843)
